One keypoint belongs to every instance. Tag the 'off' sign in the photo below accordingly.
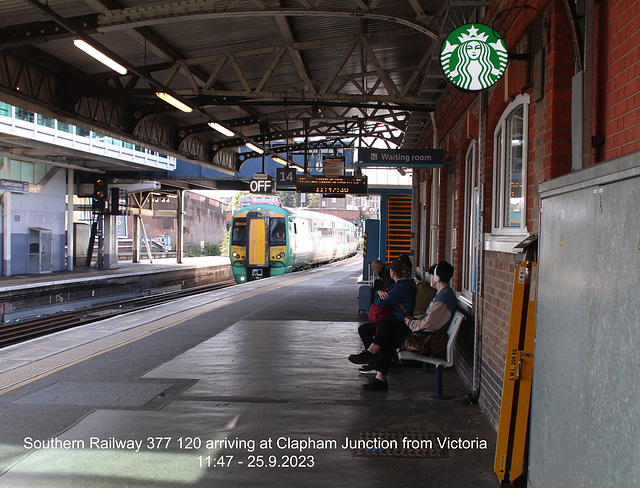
(261, 183)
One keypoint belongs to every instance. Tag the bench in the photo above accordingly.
(440, 364)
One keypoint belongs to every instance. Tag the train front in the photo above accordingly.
(259, 246)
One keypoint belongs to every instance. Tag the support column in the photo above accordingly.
(180, 225)
(435, 202)
(6, 223)
(70, 228)
(110, 242)
(136, 239)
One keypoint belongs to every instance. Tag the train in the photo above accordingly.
(268, 240)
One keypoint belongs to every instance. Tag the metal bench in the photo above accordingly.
(440, 364)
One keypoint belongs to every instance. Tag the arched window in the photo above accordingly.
(511, 143)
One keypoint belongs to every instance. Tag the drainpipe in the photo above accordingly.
(435, 202)
(587, 88)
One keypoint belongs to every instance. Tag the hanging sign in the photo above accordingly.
(286, 178)
(332, 184)
(261, 183)
(401, 158)
(473, 57)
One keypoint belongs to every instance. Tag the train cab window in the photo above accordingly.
(239, 233)
(278, 236)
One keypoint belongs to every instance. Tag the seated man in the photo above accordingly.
(382, 271)
(392, 333)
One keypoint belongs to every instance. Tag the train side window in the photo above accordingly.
(239, 233)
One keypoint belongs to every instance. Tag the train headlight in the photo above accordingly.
(235, 255)
(280, 255)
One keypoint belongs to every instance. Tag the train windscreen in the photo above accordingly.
(239, 233)
(278, 236)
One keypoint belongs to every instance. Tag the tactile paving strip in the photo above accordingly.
(411, 444)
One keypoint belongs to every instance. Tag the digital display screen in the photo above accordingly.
(331, 184)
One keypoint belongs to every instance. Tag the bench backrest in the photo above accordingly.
(452, 331)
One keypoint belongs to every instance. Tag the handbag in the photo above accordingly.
(434, 345)
(377, 313)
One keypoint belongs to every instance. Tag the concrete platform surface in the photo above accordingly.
(245, 387)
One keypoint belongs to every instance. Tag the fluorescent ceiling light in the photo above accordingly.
(279, 160)
(172, 101)
(222, 129)
(106, 60)
(254, 148)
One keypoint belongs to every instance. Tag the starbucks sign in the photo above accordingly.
(473, 57)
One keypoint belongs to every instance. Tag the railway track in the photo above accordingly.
(23, 330)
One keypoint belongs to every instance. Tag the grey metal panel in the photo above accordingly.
(586, 391)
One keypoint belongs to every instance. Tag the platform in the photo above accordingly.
(31, 295)
(243, 387)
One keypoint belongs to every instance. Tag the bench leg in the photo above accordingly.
(439, 395)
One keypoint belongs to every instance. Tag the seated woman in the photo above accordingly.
(400, 297)
(392, 333)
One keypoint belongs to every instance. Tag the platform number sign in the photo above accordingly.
(473, 57)
(286, 178)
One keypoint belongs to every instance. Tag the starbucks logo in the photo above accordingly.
(473, 57)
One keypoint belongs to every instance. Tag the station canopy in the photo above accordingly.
(309, 74)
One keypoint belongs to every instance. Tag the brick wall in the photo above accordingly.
(616, 116)
(617, 78)
(496, 307)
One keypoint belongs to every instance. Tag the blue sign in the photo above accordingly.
(401, 158)
(14, 185)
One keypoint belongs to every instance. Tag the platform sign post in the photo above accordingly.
(518, 376)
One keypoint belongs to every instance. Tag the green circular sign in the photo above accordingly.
(473, 57)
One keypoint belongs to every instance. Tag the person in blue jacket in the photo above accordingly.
(392, 334)
(400, 297)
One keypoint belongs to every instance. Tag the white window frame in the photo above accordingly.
(501, 192)
(469, 246)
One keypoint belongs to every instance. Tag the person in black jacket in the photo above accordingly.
(380, 339)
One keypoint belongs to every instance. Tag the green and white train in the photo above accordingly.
(268, 240)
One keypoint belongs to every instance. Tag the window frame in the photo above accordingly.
(500, 169)
(471, 203)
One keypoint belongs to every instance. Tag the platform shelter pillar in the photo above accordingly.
(70, 227)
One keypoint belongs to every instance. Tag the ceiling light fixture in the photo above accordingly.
(279, 160)
(173, 101)
(103, 58)
(222, 129)
(254, 148)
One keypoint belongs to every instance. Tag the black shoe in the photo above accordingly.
(376, 385)
(364, 357)
(368, 369)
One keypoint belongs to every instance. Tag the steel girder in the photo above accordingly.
(111, 103)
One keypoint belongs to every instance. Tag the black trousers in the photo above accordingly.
(367, 333)
(391, 335)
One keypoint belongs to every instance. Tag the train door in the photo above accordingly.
(257, 244)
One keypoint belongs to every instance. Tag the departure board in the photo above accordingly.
(332, 184)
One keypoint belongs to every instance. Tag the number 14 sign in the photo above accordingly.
(286, 178)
